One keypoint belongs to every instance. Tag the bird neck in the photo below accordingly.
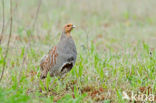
(65, 35)
(68, 34)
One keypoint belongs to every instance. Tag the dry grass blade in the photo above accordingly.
(37, 12)
(1, 36)
(8, 43)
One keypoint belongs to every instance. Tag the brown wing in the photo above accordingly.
(48, 62)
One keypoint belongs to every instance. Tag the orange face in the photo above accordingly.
(68, 28)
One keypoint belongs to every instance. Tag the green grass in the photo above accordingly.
(115, 43)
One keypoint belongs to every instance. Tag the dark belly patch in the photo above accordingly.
(67, 67)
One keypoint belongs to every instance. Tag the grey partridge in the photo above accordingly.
(62, 57)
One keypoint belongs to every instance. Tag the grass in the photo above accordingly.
(115, 41)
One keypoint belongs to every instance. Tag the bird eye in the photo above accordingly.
(68, 25)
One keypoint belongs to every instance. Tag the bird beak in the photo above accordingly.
(74, 26)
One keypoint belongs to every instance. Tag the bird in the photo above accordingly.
(62, 57)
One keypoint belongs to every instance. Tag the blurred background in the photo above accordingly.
(120, 20)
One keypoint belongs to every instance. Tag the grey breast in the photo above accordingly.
(67, 54)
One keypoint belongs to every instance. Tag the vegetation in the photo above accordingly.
(115, 41)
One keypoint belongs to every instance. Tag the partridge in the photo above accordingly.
(62, 57)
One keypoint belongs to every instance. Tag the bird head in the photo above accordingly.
(68, 28)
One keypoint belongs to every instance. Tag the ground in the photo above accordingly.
(115, 40)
